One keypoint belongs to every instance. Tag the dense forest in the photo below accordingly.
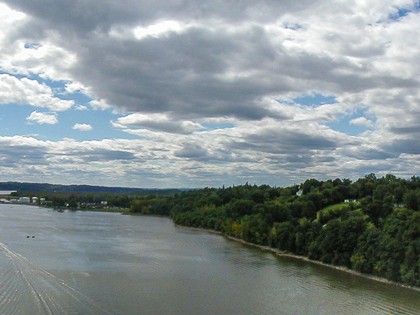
(371, 225)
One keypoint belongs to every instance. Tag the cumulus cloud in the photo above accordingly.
(26, 91)
(42, 118)
(223, 59)
(82, 127)
(362, 121)
(99, 104)
(211, 89)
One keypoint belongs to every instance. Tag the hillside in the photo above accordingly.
(44, 187)
(371, 225)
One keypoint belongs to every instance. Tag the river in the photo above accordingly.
(105, 263)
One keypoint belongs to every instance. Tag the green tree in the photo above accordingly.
(412, 200)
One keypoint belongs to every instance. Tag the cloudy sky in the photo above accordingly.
(192, 93)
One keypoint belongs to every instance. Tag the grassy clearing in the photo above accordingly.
(335, 211)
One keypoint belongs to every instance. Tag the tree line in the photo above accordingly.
(371, 225)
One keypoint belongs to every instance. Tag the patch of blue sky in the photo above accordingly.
(13, 122)
(344, 125)
(99, 120)
(39, 79)
(292, 26)
(54, 85)
(32, 45)
(404, 11)
(13, 117)
(59, 90)
(19, 76)
(314, 99)
(78, 97)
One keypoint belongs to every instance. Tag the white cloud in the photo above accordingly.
(362, 121)
(8, 17)
(158, 29)
(82, 127)
(43, 118)
(26, 91)
(80, 108)
(31, 54)
(99, 104)
(73, 87)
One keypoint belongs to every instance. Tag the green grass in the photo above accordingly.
(335, 211)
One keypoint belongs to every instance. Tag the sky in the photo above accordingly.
(193, 93)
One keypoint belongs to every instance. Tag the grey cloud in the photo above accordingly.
(184, 74)
(18, 155)
(79, 17)
(155, 123)
(85, 16)
(181, 74)
(410, 146)
(14, 156)
(404, 129)
(299, 159)
(191, 151)
(370, 154)
(98, 155)
(285, 141)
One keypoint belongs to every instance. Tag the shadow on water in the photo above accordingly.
(351, 293)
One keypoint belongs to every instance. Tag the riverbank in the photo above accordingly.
(302, 258)
(111, 210)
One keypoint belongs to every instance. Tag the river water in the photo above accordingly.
(103, 263)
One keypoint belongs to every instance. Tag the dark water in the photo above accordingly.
(102, 263)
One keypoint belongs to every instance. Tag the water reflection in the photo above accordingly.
(101, 263)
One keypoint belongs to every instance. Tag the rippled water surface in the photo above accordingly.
(102, 263)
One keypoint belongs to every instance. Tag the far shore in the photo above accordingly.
(298, 257)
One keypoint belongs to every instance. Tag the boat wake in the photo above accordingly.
(28, 289)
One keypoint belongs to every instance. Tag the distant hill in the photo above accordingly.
(44, 187)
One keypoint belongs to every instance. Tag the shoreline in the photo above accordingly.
(280, 253)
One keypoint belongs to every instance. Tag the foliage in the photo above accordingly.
(376, 234)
